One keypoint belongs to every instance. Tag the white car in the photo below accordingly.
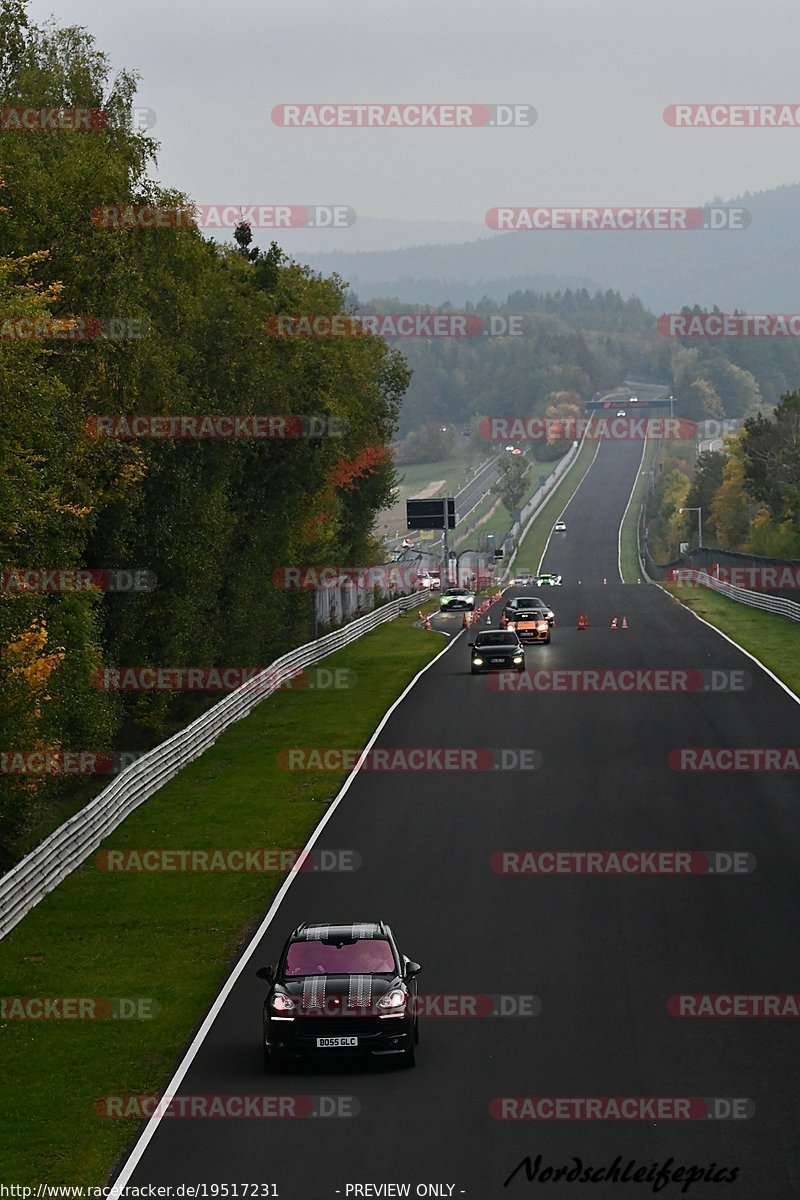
(427, 581)
(522, 581)
(560, 526)
(633, 400)
(457, 599)
(547, 579)
(622, 413)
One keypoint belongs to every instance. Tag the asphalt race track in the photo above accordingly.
(602, 953)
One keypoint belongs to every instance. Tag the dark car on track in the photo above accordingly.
(497, 650)
(341, 991)
(525, 604)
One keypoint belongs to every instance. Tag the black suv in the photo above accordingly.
(341, 991)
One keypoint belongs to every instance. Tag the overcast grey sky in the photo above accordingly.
(599, 73)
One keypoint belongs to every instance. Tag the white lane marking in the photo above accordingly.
(566, 506)
(752, 657)
(624, 515)
(227, 987)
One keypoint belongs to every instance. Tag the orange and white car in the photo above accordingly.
(530, 626)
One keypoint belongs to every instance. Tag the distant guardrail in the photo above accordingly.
(67, 847)
(773, 604)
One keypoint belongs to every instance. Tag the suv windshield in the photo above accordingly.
(367, 956)
(496, 639)
(456, 592)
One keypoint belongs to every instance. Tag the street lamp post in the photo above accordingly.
(699, 512)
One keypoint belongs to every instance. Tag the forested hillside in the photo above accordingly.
(171, 324)
(574, 341)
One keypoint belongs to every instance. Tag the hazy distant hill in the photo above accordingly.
(756, 269)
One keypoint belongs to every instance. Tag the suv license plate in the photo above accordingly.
(326, 1043)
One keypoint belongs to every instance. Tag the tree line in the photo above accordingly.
(585, 343)
(749, 492)
(177, 327)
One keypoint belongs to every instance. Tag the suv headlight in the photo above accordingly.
(478, 662)
(393, 1002)
(518, 659)
(282, 1005)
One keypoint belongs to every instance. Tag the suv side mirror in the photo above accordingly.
(470, 643)
(267, 973)
(412, 969)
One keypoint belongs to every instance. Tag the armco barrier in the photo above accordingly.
(67, 847)
(519, 530)
(773, 604)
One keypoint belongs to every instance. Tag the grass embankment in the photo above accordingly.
(454, 472)
(171, 937)
(773, 640)
(532, 546)
(629, 554)
(483, 521)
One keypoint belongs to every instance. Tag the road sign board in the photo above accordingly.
(430, 514)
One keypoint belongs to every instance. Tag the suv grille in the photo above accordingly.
(340, 1026)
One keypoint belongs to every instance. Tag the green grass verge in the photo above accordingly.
(532, 546)
(773, 640)
(500, 521)
(631, 569)
(171, 937)
(479, 521)
(454, 471)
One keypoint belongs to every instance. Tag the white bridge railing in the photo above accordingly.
(67, 847)
(773, 604)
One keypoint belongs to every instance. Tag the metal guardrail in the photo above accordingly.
(67, 847)
(773, 604)
(528, 514)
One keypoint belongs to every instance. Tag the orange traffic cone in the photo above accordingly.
(583, 622)
(419, 610)
(613, 622)
(625, 623)
(464, 622)
(428, 623)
